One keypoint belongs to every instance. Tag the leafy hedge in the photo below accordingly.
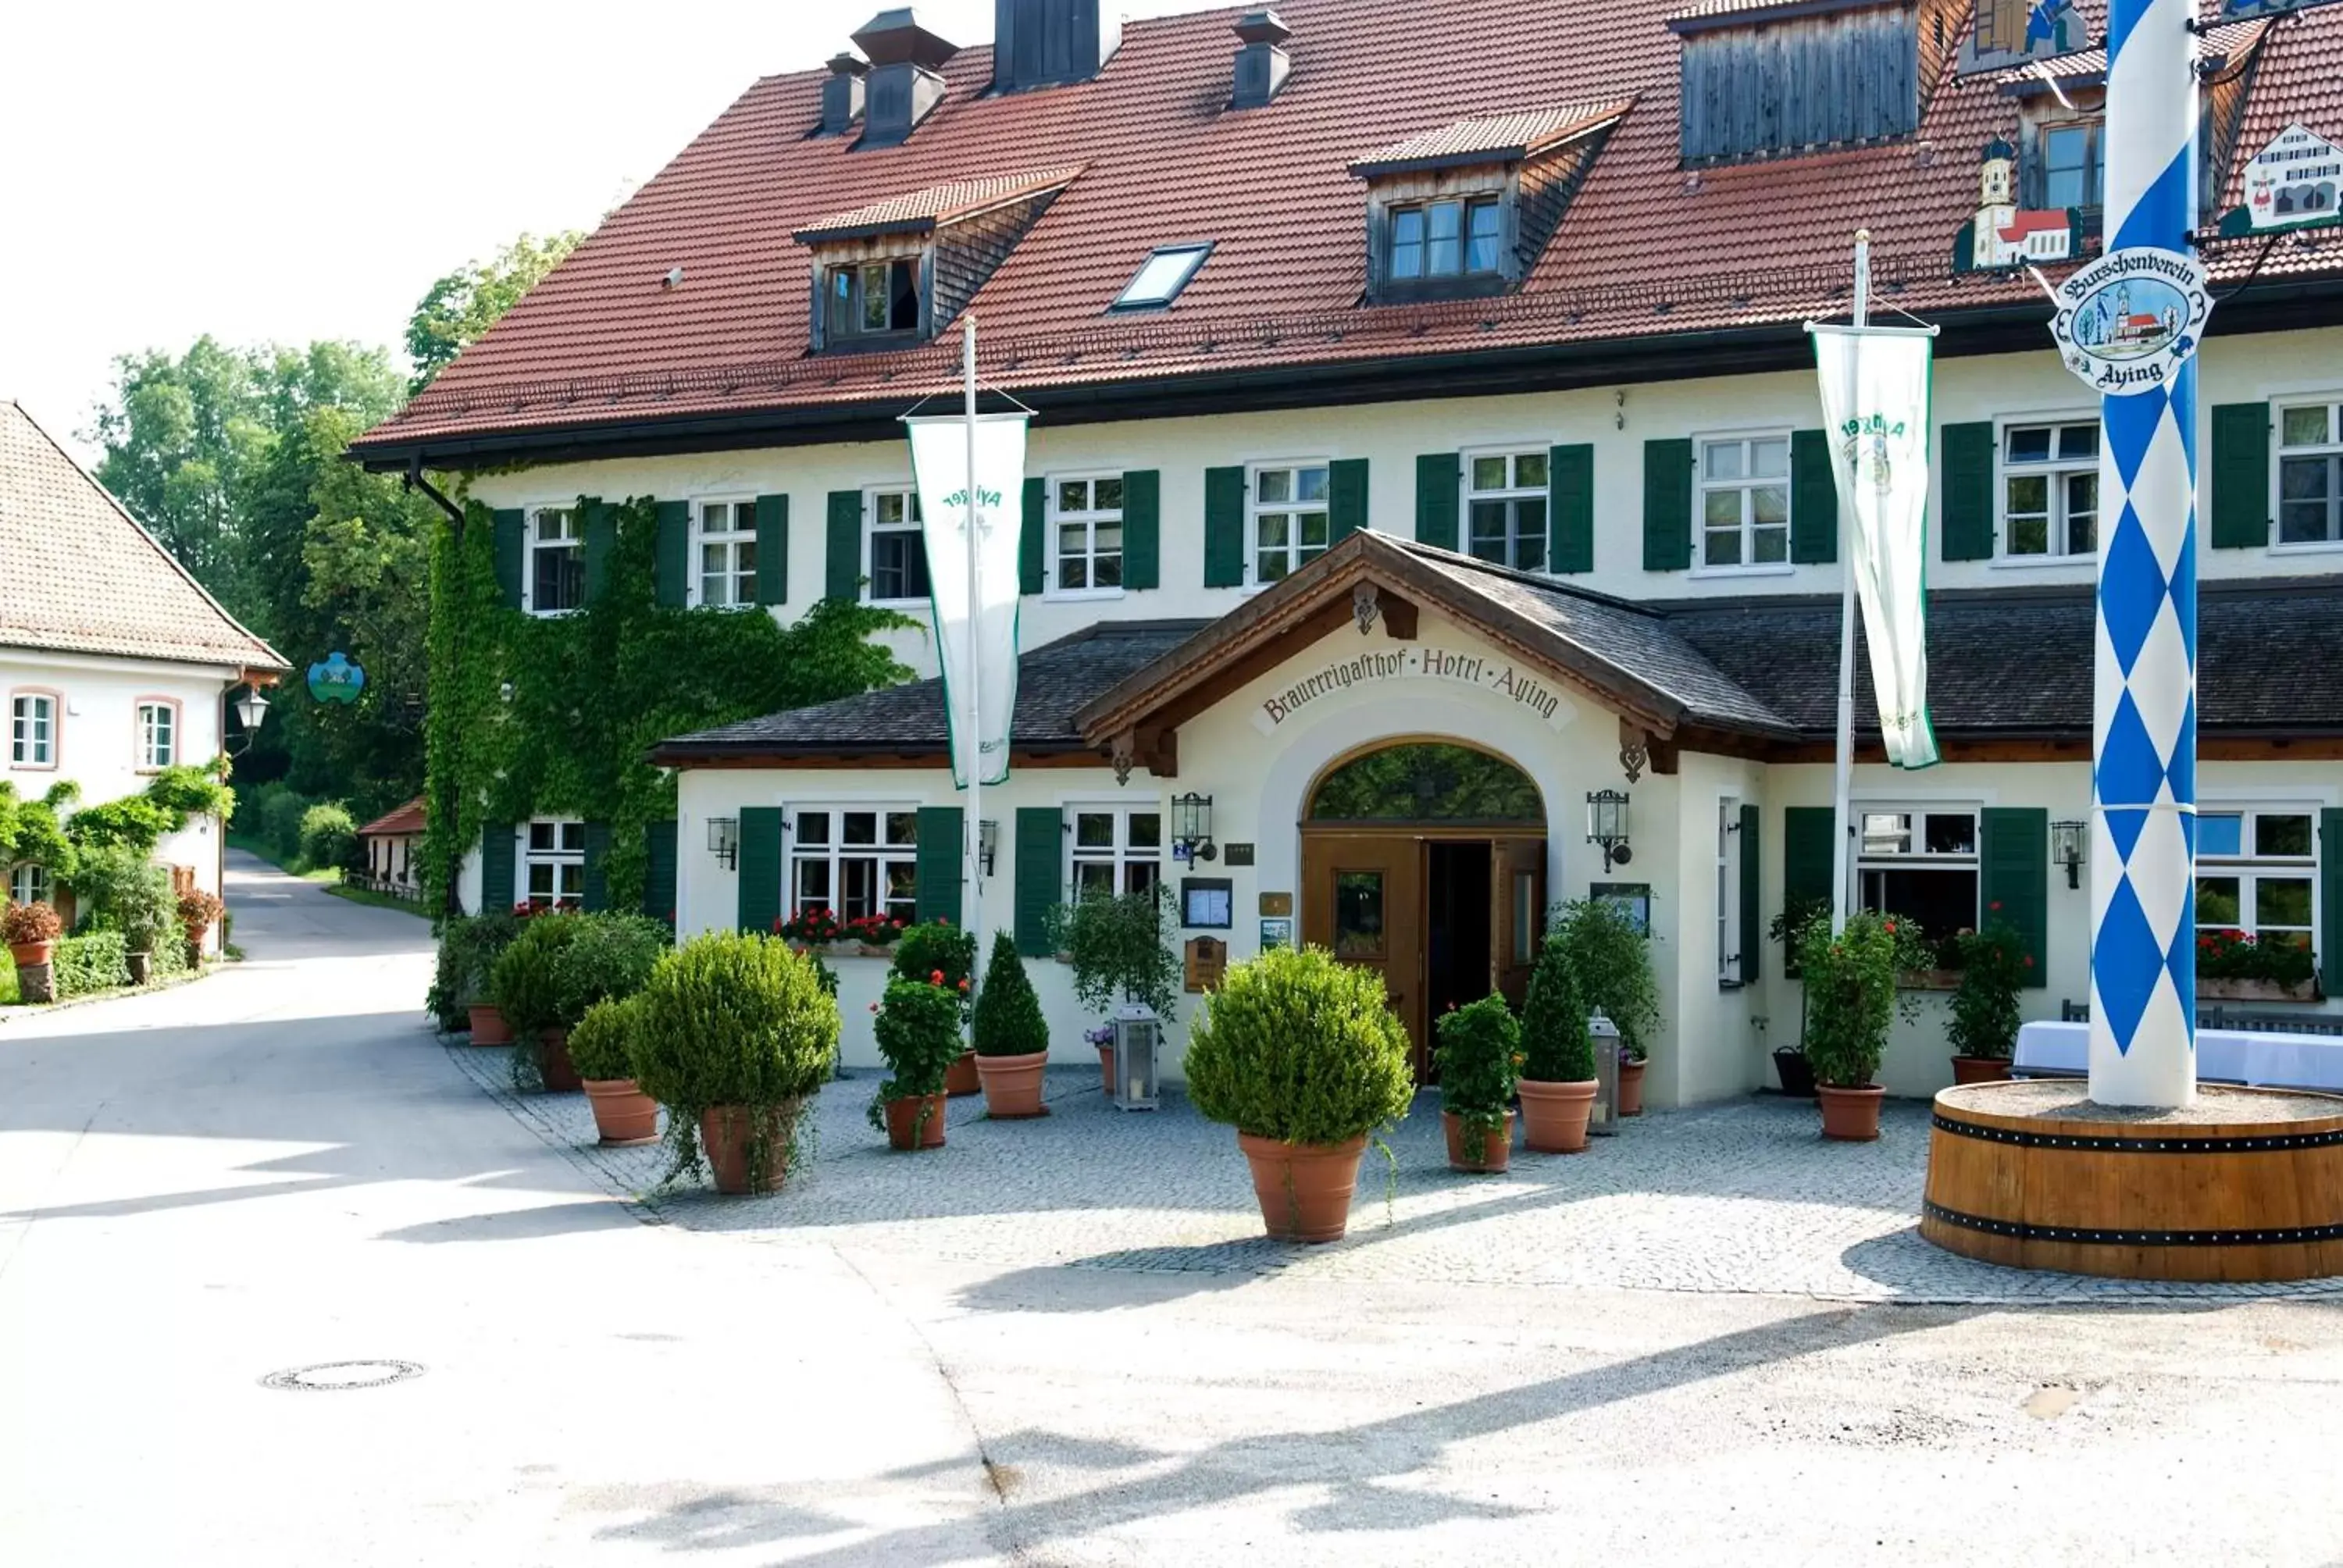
(95, 962)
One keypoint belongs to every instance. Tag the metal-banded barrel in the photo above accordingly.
(2247, 1185)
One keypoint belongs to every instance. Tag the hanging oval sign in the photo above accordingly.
(2127, 321)
(337, 679)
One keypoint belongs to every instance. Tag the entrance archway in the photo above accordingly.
(1424, 859)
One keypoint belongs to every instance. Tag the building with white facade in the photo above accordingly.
(1427, 441)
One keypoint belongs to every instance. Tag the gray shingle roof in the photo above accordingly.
(77, 574)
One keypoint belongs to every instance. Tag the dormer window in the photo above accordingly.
(1447, 239)
(2071, 165)
(875, 298)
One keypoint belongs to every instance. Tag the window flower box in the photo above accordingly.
(1928, 979)
(2211, 989)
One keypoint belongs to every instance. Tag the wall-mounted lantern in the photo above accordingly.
(988, 845)
(1191, 827)
(1606, 824)
(250, 709)
(2067, 849)
(724, 841)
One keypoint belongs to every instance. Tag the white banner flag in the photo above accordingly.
(976, 620)
(1876, 385)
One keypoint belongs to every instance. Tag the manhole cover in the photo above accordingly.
(329, 1376)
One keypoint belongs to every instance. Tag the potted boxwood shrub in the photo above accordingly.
(1610, 957)
(1303, 1056)
(1852, 1002)
(1479, 1057)
(602, 1047)
(923, 950)
(1121, 948)
(527, 984)
(1012, 1041)
(1983, 1028)
(918, 1028)
(1558, 1085)
(734, 1034)
(32, 931)
(461, 996)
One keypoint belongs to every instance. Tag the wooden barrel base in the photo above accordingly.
(2247, 1184)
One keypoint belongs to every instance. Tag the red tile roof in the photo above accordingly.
(405, 820)
(2217, 45)
(920, 211)
(79, 575)
(1514, 135)
(1646, 248)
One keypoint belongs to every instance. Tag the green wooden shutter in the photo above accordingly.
(1040, 876)
(595, 897)
(599, 525)
(2241, 441)
(843, 570)
(659, 847)
(1439, 481)
(1142, 529)
(671, 555)
(508, 528)
(772, 550)
(1667, 506)
(1570, 510)
(1813, 499)
(2013, 858)
(1805, 869)
(2330, 899)
(1752, 916)
(496, 867)
(1346, 498)
(761, 869)
(1224, 545)
(1032, 539)
(1967, 462)
(942, 866)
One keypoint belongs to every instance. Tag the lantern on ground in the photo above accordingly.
(1137, 1034)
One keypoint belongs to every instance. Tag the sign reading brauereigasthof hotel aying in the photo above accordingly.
(1501, 677)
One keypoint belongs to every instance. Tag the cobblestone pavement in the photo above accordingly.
(1742, 1196)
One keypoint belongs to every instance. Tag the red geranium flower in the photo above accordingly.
(963, 985)
(935, 976)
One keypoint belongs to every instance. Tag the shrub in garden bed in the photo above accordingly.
(329, 839)
(92, 962)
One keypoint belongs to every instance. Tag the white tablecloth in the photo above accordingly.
(2233, 1056)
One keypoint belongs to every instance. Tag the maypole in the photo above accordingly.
(2143, 1041)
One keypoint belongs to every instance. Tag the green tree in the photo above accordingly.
(459, 308)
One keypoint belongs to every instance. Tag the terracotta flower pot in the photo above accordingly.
(27, 954)
(1304, 1188)
(1554, 1115)
(1980, 1069)
(489, 1025)
(960, 1079)
(622, 1113)
(1851, 1115)
(1012, 1086)
(553, 1062)
(1106, 1070)
(906, 1128)
(1496, 1150)
(1631, 1087)
(724, 1137)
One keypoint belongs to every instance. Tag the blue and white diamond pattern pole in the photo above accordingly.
(2143, 823)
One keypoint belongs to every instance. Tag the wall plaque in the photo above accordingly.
(1237, 854)
(1208, 959)
(1277, 903)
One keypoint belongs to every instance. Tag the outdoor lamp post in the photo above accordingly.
(1606, 824)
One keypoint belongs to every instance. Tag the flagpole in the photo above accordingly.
(1843, 782)
(971, 845)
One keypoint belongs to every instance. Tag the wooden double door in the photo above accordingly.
(1444, 915)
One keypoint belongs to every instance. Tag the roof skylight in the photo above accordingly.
(1161, 276)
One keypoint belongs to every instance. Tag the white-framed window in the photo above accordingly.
(556, 560)
(553, 862)
(855, 860)
(2257, 873)
(724, 553)
(159, 732)
(1086, 533)
(1505, 499)
(30, 884)
(2050, 489)
(2310, 473)
(1729, 970)
(1745, 501)
(33, 729)
(1918, 863)
(1115, 848)
(1287, 518)
(896, 556)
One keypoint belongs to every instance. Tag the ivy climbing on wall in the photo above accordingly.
(591, 693)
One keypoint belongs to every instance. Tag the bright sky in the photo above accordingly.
(284, 170)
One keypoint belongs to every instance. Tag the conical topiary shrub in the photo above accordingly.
(1012, 1041)
(1557, 1084)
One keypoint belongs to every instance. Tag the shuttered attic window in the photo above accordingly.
(1776, 78)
